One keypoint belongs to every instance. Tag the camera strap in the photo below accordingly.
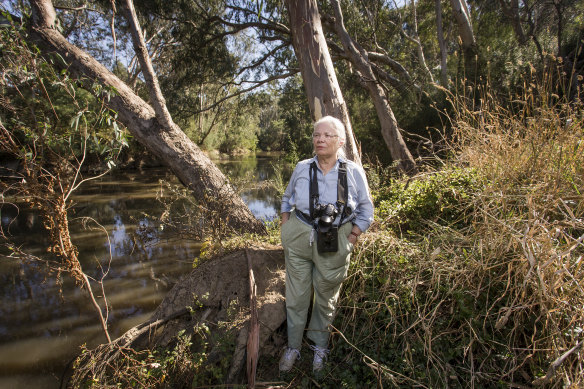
(342, 190)
(313, 189)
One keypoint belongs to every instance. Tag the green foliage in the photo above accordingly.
(295, 114)
(487, 271)
(235, 136)
(200, 60)
(442, 197)
(272, 134)
(50, 116)
(365, 124)
(193, 65)
(470, 275)
(50, 127)
(184, 364)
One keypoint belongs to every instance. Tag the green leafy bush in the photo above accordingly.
(443, 197)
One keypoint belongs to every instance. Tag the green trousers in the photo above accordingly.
(308, 270)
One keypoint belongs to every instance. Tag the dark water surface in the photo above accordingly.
(42, 328)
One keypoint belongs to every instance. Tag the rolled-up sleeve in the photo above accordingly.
(287, 197)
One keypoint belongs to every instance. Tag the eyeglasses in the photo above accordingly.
(325, 135)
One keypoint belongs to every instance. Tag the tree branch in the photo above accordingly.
(77, 9)
(393, 64)
(245, 90)
(158, 102)
(262, 59)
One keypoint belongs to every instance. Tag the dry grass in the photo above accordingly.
(529, 229)
(498, 302)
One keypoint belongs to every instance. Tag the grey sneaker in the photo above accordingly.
(288, 358)
(320, 356)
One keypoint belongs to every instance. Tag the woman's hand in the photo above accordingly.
(284, 218)
(354, 235)
(352, 238)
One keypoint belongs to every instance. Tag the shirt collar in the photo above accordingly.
(334, 168)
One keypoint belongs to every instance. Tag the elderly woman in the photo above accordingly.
(325, 208)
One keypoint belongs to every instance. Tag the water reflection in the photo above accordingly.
(263, 201)
(44, 321)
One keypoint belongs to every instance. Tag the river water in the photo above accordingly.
(43, 322)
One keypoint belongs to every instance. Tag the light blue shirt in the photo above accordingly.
(359, 199)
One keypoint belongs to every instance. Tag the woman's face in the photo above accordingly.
(326, 141)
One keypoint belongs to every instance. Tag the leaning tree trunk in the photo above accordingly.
(389, 127)
(169, 143)
(316, 67)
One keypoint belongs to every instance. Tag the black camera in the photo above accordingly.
(327, 240)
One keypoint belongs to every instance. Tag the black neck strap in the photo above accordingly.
(313, 189)
(342, 189)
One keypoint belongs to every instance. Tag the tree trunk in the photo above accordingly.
(416, 40)
(169, 143)
(469, 45)
(156, 97)
(316, 67)
(442, 44)
(511, 11)
(560, 29)
(389, 127)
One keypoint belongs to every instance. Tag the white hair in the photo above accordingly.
(339, 128)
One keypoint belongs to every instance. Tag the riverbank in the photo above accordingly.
(43, 323)
(433, 287)
(140, 159)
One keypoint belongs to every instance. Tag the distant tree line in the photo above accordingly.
(232, 80)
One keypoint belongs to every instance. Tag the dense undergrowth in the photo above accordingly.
(471, 276)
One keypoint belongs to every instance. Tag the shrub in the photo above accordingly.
(443, 197)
